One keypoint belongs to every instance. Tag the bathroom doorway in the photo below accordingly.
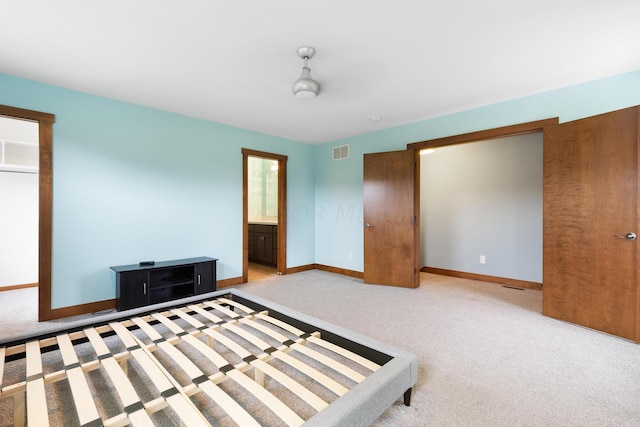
(264, 215)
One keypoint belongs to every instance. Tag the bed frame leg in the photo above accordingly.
(124, 364)
(19, 409)
(259, 377)
(407, 397)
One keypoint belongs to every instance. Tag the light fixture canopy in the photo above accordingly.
(305, 87)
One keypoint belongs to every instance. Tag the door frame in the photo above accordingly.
(45, 176)
(281, 264)
(479, 136)
(484, 135)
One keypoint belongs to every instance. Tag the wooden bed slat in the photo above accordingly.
(85, 406)
(304, 393)
(212, 317)
(231, 407)
(220, 308)
(132, 403)
(160, 378)
(211, 354)
(245, 347)
(315, 355)
(235, 304)
(321, 358)
(189, 318)
(222, 339)
(327, 361)
(344, 352)
(264, 329)
(253, 339)
(147, 328)
(226, 402)
(279, 323)
(273, 403)
(311, 372)
(37, 413)
(282, 378)
(173, 326)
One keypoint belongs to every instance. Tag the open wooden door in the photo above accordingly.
(391, 212)
(590, 259)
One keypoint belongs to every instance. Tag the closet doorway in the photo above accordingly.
(45, 137)
(19, 194)
(264, 214)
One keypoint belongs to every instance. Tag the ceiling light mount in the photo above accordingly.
(305, 87)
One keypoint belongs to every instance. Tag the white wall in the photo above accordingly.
(18, 228)
(18, 130)
(484, 198)
(19, 212)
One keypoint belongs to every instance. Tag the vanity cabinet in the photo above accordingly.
(263, 243)
(139, 285)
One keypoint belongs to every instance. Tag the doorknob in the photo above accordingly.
(367, 225)
(629, 236)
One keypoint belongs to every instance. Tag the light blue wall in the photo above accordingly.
(132, 183)
(484, 199)
(339, 183)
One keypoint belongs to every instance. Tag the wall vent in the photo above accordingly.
(341, 152)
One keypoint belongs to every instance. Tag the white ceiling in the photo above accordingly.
(234, 62)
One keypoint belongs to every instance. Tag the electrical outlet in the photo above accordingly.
(483, 259)
(350, 254)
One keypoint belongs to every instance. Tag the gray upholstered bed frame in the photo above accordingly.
(392, 377)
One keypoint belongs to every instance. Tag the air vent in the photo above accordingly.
(341, 152)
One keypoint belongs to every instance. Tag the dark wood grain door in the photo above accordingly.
(391, 219)
(590, 198)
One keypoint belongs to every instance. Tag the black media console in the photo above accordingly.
(138, 285)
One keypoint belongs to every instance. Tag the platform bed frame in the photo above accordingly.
(227, 358)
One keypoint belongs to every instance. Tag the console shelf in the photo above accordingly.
(139, 285)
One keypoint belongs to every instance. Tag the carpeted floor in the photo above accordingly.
(487, 355)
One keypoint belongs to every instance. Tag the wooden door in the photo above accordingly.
(590, 196)
(391, 219)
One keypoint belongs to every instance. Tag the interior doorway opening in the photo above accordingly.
(45, 138)
(262, 204)
(19, 192)
(264, 214)
(538, 126)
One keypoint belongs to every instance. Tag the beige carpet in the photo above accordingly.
(487, 356)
